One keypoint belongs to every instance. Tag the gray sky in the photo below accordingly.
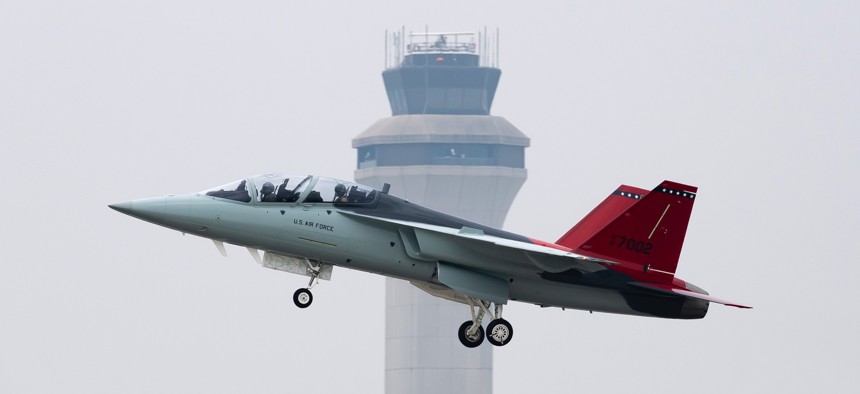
(103, 101)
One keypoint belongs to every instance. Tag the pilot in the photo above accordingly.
(283, 193)
(267, 192)
(340, 193)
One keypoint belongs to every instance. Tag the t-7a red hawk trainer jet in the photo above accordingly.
(621, 258)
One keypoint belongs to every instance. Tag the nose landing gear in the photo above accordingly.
(303, 297)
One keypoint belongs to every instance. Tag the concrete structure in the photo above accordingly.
(442, 149)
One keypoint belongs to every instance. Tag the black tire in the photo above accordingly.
(303, 298)
(467, 341)
(499, 332)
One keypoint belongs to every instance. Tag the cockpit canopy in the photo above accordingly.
(285, 188)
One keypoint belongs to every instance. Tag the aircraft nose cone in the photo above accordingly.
(149, 209)
(123, 207)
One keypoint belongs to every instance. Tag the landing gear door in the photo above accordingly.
(297, 265)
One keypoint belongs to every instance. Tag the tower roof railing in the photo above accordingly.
(400, 44)
(441, 42)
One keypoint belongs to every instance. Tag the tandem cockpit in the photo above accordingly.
(285, 188)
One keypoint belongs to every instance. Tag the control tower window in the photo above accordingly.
(441, 154)
(442, 60)
(367, 157)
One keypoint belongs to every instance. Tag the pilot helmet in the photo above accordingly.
(268, 188)
(340, 189)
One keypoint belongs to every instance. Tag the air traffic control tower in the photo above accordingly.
(441, 148)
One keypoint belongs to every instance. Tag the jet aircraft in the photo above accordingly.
(620, 258)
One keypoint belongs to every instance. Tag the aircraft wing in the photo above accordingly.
(469, 246)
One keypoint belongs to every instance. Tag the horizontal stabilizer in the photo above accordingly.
(669, 289)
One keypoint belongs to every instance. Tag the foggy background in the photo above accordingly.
(102, 101)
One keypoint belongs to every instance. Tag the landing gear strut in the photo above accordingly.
(303, 297)
(499, 331)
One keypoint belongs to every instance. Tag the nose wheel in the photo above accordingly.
(303, 298)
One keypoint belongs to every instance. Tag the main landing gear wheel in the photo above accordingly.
(499, 332)
(470, 340)
(303, 298)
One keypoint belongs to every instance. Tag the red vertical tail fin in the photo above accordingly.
(649, 232)
(614, 205)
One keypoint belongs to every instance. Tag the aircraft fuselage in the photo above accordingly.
(620, 258)
(324, 233)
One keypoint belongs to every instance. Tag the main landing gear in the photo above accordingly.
(303, 297)
(499, 331)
